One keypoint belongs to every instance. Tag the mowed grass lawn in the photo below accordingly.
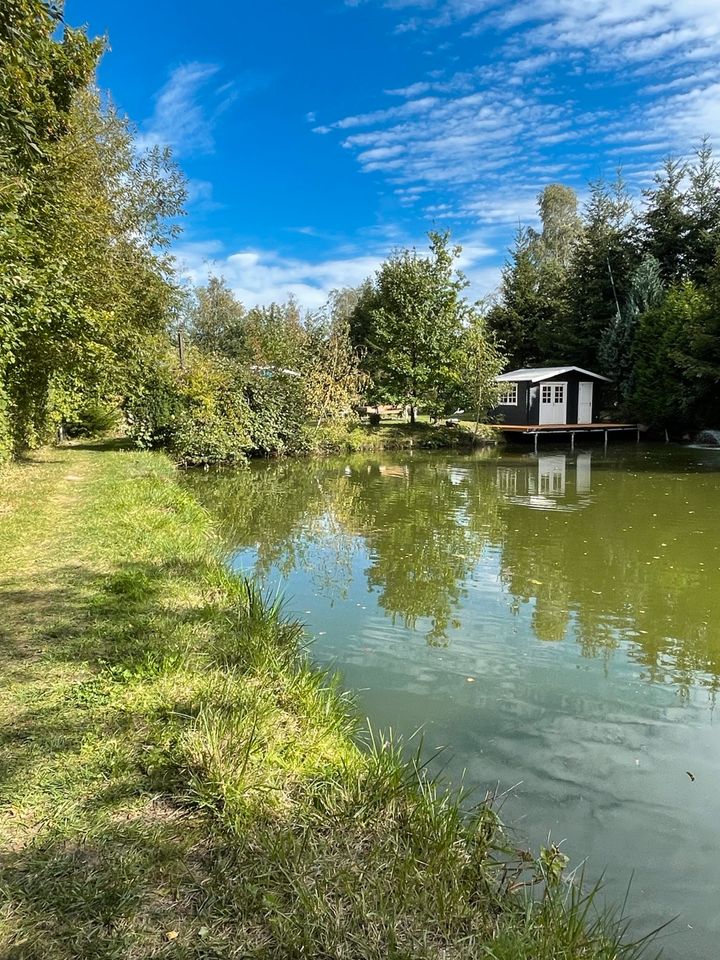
(176, 780)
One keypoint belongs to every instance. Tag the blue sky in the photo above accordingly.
(317, 135)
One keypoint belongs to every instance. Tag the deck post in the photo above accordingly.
(572, 441)
(638, 435)
(606, 433)
(536, 442)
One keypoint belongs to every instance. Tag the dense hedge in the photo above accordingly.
(213, 410)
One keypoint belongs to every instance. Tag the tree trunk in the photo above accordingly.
(412, 414)
(477, 425)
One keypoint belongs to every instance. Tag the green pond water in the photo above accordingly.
(552, 621)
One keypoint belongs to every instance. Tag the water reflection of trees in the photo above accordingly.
(635, 564)
(604, 556)
(284, 511)
(423, 539)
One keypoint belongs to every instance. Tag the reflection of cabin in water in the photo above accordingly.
(543, 482)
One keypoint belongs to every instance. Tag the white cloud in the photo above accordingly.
(188, 107)
(179, 119)
(263, 276)
(483, 141)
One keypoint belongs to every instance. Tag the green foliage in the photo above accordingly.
(333, 381)
(217, 320)
(214, 410)
(667, 221)
(278, 413)
(276, 335)
(515, 319)
(676, 356)
(154, 406)
(410, 325)
(599, 276)
(40, 76)
(282, 372)
(633, 293)
(93, 420)
(532, 314)
(615, 351)
(483, 361)
(85, 286)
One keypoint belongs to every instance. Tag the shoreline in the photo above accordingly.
(180, 777)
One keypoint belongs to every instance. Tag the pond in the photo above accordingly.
(552, 621)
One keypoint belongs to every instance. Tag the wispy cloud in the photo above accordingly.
(189, 106)
(180, 119)
(593, 82)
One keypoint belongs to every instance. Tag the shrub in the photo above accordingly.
(278, 408)
(6, 442)
(93, 420)
(214, 410)
(154, 406)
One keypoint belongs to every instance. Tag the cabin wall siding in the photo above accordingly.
(514, 414)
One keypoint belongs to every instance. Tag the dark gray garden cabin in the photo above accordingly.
(548, 396)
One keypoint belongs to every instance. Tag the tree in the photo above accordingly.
(333, 380)
(616, 352)
(217, 320)
(483, 362)
(670, 374)
(698, 353)
(561, 224)
(666, 221)
(333, 377)
(703, 204)
(85, 278)
(514, 320)
(598, 279)
(413, 322)
(533, 310)
(39, 78)
(276, 335)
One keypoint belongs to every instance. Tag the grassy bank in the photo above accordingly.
(177, 781)
(398, 435)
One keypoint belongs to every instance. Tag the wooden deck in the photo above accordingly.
(568, 429)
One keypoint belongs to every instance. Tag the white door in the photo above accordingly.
(585, 390)
(553, 402)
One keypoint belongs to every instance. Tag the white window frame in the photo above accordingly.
(511, 390)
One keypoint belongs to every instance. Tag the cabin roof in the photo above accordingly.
(536, 374)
